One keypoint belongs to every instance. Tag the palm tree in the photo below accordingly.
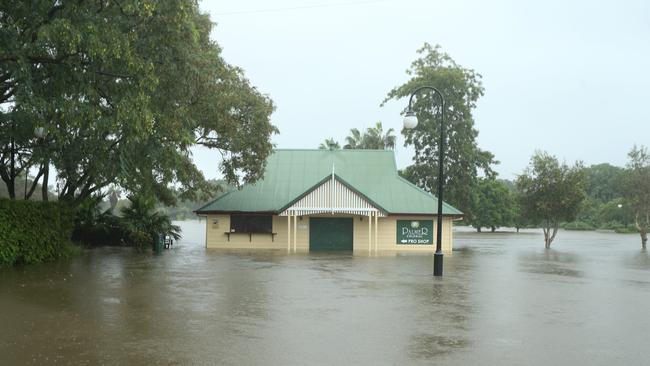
(329, 144)
(354, 140)
(144, 223)
(374, 138)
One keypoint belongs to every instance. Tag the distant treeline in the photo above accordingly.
(604, 206)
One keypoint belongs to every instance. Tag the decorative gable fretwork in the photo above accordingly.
(332, 197)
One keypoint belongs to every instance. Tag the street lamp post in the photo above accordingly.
(410, 121)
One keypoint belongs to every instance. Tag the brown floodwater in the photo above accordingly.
(503, 300)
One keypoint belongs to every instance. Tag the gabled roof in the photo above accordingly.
(291, 173)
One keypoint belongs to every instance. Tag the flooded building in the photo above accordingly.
(328, 200)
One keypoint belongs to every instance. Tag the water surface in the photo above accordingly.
(504, 300)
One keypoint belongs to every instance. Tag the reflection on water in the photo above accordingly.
(504, 300)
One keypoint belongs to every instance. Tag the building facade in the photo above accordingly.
(328, 200)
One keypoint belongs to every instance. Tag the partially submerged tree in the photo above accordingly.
(122, 91)
(550, 193)
(463, 158)
(637, 190)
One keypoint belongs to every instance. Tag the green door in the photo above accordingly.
(329, 233)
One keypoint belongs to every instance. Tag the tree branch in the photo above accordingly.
(34, 183)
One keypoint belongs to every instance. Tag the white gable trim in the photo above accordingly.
(332, 197)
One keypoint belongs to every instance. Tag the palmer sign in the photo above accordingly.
(414, 232)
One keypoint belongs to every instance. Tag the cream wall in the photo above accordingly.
(386, 234)
(216, 237)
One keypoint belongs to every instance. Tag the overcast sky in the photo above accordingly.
(568, 77)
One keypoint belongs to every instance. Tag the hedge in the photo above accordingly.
(34, 232)
(578, 225)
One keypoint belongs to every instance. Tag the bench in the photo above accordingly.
(250, 234)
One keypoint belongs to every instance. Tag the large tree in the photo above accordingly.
(604, 182)
(123, 90)
(637, 190)
(464, 160)
(495, 206)
(550, 193)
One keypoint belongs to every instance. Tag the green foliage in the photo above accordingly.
(578, 225)
(123, 90)
(461, 88)
(329, 144)
(604, 206)
(614, 211)
(372, 138)
(551, 193)
(138, 225)
(34, 232)
(625, 229)
(183, 209)
(354, 140)
(495, 205)
(143, 224)
(636, 190)
(22, 189)
(604, 182)
(97, 227)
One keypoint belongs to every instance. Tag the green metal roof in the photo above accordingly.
(291, 173)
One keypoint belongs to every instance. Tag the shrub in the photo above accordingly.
(143, 224)
(626, 230)
(96, 228)
(578, 225)
(34, 232)
(139, 224)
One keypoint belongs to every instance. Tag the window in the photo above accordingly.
(251, 223)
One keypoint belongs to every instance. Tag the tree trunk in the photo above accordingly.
(547, 241)
(46, 174)
(11, 183)
(34, 184)
(11, 188)
(549, 233)
(642, 230)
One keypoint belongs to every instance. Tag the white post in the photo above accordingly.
(288, 232)
(207, 227)
(369, 232)
(376, 225)
(295, 232)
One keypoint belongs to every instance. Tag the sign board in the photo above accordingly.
(414, 232)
